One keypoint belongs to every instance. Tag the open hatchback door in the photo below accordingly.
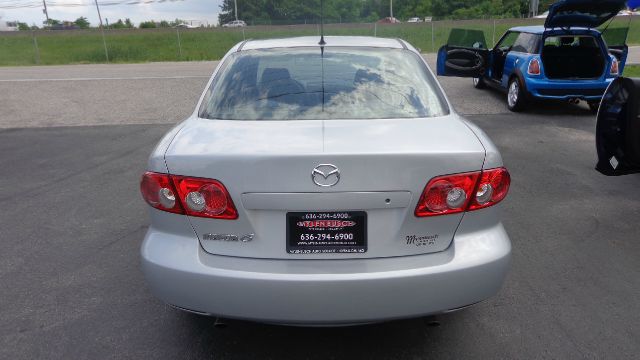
(618, 128)
(464, 55)
(591, 14)
(582, 13)
(616, 39)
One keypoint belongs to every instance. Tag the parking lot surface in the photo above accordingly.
(71, 222)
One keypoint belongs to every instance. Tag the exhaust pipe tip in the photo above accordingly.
(219, 323)
(574, 101)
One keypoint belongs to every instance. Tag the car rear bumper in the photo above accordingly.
(472, 269)
(565, 90)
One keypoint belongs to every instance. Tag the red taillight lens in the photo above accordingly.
(448, 194)
(185, 195)
(614, 67)
(534, 67)
(492, 188)
(159, 192)
(452, 194)
(205, 198)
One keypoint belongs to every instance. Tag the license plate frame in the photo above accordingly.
(326, 232)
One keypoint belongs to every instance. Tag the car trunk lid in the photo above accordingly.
(582, 13)
(267, 168)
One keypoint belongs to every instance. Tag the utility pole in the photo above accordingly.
(391, 9)
(235, 2)
(46, 13)
(533, 7)
(104, 40)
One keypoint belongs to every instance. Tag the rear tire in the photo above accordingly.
(479, 83)
(516, 95)
(594, 106)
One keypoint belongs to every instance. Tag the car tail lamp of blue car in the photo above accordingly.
(614, 67)
(452, 194)
(189, 196)
(534, 67)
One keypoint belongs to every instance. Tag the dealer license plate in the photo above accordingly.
(326, 232)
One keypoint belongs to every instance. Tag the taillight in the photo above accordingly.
(448, 194)
(492, 188)
(159, 192)
(186, 195)
(614, 67)
(534, 67)
(456, 193)
(205, 198)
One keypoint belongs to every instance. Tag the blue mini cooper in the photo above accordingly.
(566, 59)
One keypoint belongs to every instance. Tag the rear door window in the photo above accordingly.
(615, 36)
(569, 41)
(468, 38)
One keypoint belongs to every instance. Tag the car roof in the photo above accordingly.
(539, 29)
(308, 41)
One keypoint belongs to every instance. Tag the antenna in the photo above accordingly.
(322, 42)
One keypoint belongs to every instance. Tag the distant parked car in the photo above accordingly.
(64, 26)
(566, 59)
(414, 20)
(235, 23)
(389, 20)
(186, 26)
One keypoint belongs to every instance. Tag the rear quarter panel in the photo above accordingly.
(515, 62)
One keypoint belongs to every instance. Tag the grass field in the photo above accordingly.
(631, 71)
(78, 46)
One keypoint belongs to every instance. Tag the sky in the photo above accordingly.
(202, 10)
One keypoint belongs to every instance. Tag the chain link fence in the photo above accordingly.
(181, 44)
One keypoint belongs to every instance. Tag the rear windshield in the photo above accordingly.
(338, 83)
(571, 41)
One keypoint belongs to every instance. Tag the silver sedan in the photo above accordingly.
(324, 185)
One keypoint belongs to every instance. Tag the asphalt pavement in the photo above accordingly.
(72, 220)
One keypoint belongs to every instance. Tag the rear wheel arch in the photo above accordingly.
(518, 74)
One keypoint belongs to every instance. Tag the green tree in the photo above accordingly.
(177, 22)
(82, 22)
(52, 22)
(295, 11)
(148, 25)
(118, 25)
(23, 26)
(544, 5)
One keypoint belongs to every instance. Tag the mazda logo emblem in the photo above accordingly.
(325, 175)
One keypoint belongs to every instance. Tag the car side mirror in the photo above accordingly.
(618, 128)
